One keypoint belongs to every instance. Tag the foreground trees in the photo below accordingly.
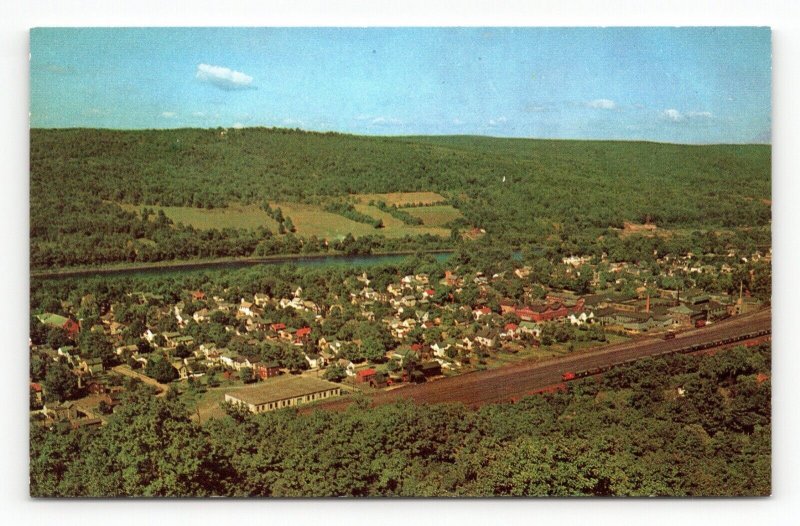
(638, 432)
(149, 448)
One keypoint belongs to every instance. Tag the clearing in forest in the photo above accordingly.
(312, 220)
(308, 219)
(437, 215)
(402, 198)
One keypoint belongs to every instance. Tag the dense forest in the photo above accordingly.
(673, 426)
(518, 190)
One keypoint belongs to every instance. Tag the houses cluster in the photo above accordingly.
(433, 330)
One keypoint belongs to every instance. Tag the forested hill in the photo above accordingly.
(521, 186)
(606, 181)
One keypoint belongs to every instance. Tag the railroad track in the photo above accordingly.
(515, 381)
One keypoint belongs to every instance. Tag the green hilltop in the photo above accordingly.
(88, 186)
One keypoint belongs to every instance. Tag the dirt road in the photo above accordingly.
(127, 371)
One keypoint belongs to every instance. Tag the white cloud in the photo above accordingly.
(237, 126)
(677, 116)
(224, 78)
(96, 112)
(498, 121)
(293, 122)
(169, 114)
(602, 104)
(386, 121)
(458, 122)
(198, 114)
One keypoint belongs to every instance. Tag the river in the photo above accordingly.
(300, 261)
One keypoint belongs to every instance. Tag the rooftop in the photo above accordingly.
(53, 320)
(282, 388)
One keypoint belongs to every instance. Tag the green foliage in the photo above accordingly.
(151, 448)
(95, 344)
(161, 370)
(59, 383)
(597, 439)
(719, 186)
(397, 213)
(349, 211)
(247, 375)
(335, 373)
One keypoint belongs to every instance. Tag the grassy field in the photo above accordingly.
(311, 220)
(402, 198)
(234, 216)
(438, 215)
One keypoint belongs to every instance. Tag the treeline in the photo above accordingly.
(672, 426)
(349, 211)
(285, 223)
(395, 212)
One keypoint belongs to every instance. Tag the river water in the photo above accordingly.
(309, 261)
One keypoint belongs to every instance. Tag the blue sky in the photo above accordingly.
(685, 85)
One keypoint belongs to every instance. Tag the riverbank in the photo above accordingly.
(315, 259)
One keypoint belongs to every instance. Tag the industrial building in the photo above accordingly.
(287, 391)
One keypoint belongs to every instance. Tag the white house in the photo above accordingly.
(581, 319)
(149, 335)
(315, 361)
(246, 308)
(440, 350)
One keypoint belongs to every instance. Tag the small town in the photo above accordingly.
(409, 262)
(267, 352)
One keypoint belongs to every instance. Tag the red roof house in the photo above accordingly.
(365, 375)
(72, 328)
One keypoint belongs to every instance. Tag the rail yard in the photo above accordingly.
(513, 382)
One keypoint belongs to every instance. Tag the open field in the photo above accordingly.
(438, 215)
(312, 220)
(402, 198)
(233, 216)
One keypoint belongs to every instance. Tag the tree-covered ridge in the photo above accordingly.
(518, 188)
(628, 180)
(673, 426)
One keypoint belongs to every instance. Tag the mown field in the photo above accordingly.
(403, 198)
(312, 219)
(437, 215)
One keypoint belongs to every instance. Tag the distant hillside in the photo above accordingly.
(507, 186)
